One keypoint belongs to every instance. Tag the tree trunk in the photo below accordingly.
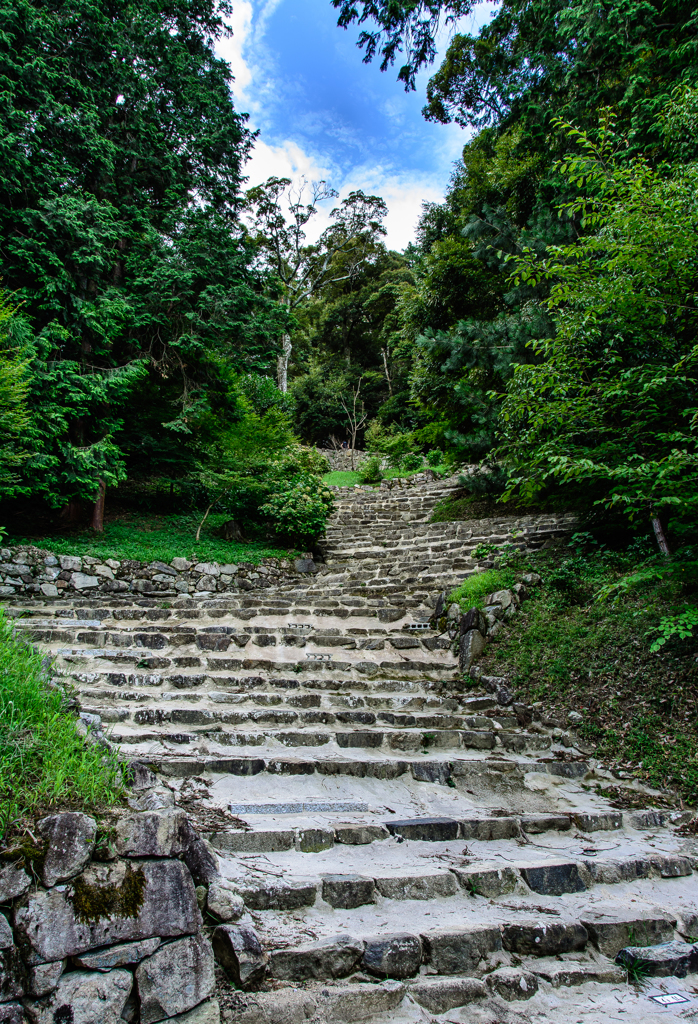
(98, 510)
(282, 364)
(387, 374)
(660, 534)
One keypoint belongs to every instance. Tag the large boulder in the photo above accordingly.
(82, 997)
(513, 983)
(108, 903)
(164, 833)
(69, 839)
(239, 952)
(393, 956)
(176, 978)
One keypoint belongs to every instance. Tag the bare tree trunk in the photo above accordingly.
(98, 510)
(660, 534)
(387, 374)
(282, 364)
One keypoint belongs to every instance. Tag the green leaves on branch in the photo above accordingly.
(301, 511)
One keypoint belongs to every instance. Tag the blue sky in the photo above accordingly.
(322, 113)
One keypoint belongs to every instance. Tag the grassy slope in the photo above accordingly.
(146, 538)
(44, 762)
(571, 652)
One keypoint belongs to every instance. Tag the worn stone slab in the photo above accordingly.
(489, 880)
(267, 841)
(83, 997)
(314, 840)
(598, 821)
(552, 879)
(334, 957)
(432, 830)
(49, 926)
(566, 973)
(348, 891)
(544, 938)
(117, 956)
(358, 1002)
(459, 950)
(535, 824)
(670, 959)
(393, 956)
(280, 896)
(610, 933)
(360, 835)
(512, 983)
(417, 887)
(175, 979)
(488, 829)
(438, 995)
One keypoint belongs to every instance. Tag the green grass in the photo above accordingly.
(462, 507)
(342, 478)
(571, 652)
(44, 762)
(472, 592)
(162, 538)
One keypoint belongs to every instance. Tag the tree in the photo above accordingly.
(14, 415)
(280, 216)
(610, 411)
(119, 212)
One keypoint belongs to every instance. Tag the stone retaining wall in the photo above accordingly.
(30, 570)
(103, 924)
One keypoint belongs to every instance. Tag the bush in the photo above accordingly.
(302, 510)
(44, 761)
(370, 471)
(412, 462)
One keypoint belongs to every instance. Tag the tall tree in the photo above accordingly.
(280, 215)
(120, 171)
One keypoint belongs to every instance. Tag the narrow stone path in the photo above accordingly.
(402, 846)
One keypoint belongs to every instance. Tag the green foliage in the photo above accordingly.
(609, 410)
(370, 471)
(302, 509)
(14, 415)
(44, 761)
(681, 626)
(160, 538)
(473, 591)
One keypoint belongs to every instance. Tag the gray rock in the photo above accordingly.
(11, 1013)
(348, 891)
(552, 879)
(224, 901)
(118, 956)
(601, 821)
(610, 933)
(205, 1013)
(489, 880)
(531, 578)
(139, 776)
(82, 997)
(314, 840)
(43, 978)
(239, 952)
(208, 569)
(202, 861)
(360, 835)
(280, 896)
(489, 829)
(6, 940)
(394, 956)
(534, 824)
(51, 926)
(181, 564)
(472, 644)
(671, 865)
(304, 565)
(334, 957)
(670, 959)
(575, 718)
(165, 833)
(49, 590)
(70, 563)
(425, 829)
(417, 887)
(459, 950)
(83, 582)
(176, 978)
(70, 839)
(544, 939)
(513, 983)
(12, 974)
(438, 995)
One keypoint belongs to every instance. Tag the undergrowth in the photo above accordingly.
(463, 507)
(473, 591)
(572, 651)
(162, 538)
(44, 761)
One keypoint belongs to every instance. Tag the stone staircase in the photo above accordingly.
(404, 845)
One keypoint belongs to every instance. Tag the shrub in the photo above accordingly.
(370, 471)
(302, 510)
(412, 462)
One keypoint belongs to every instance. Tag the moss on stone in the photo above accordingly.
(93, 903)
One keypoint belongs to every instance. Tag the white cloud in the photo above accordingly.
(231, 49)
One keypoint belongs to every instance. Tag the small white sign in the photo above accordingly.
(670, 998)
